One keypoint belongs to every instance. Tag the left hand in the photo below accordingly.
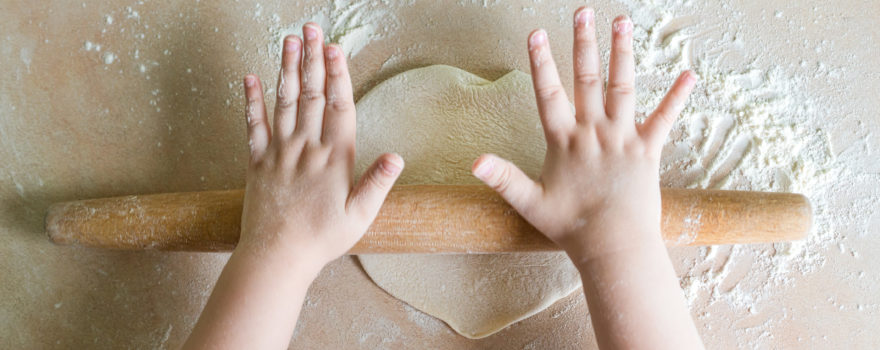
(300, 200)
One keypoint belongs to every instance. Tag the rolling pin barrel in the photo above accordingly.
(417, 219)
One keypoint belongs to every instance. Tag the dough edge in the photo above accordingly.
(465, 78)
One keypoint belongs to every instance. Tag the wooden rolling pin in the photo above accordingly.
(417, 219)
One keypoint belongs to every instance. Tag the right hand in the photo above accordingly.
(599, 186)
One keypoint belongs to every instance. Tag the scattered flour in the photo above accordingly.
(746, 128)
(90, 46)
(351, 24)
(26, 54)
(109, 57)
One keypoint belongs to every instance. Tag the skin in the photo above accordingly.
(598, 196)
(302, 208)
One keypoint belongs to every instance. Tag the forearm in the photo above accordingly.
(255, 304)
(634, 297)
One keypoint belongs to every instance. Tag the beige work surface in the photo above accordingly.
(159, 109)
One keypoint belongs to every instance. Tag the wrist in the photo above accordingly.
(600, 242)
(284, 262)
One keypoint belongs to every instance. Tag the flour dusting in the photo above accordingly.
(746, 127)
(751, 125)
(351, 24)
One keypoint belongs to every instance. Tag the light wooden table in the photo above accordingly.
(73, 126)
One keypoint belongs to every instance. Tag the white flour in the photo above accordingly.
(745, 128)
(351, 24)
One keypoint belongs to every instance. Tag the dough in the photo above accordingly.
(440, 119)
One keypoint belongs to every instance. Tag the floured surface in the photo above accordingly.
(440, 119)
(155, 105)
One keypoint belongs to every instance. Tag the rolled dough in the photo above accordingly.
(440, 118)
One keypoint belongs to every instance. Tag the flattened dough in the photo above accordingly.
(440, 118)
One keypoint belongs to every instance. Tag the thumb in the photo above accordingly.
(507, 179)
(368, 195)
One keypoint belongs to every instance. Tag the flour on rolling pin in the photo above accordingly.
(416, 219)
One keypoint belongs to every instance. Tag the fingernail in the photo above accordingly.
(291, 45)
(249, 81)
(485, 168)
(623, 26)
(583, 17)
(309, 32)
(538, 38)
(391, 167)
(332, 52)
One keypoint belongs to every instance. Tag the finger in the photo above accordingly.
(656, 127)
(620, 97)
(367, 196)
(508, 180)
(339, 115)
(255, 112)
(588, 99)
(311, 100)
(553, 105)
(288, 87)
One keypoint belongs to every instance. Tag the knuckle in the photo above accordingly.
(621, 88)
(258, 163)
(623, 47)
(311, 147)
(340, 104)
(308, 53)
(551, 92)
(285, 101)
(539, 57)
(262, 162)
(335, 72)
(556, 135)
(664, 118)
(312, 95)
(252, 120)
(590, 79)
(585, 37)
(578, 142)
(502, 183)
(376, 180)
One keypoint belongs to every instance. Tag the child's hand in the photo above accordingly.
(598, 196)
(300, 200)
(599, 189)
(301, 209)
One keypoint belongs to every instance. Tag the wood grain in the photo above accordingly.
(417, 219)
